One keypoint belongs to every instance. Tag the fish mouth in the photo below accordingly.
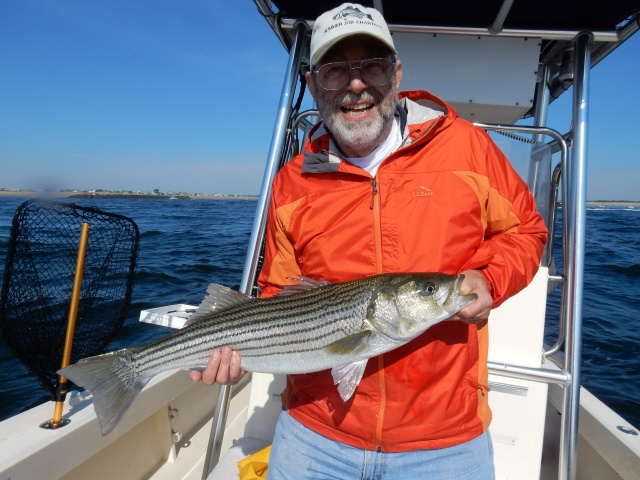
(456, 302)
(465, 300)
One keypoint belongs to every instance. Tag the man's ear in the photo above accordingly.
(398, 73)
(312, 89)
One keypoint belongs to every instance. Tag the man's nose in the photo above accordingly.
(356, 82)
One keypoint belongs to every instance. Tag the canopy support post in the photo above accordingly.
(575, 212)
(252, 262)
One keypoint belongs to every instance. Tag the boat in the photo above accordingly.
(509, 60)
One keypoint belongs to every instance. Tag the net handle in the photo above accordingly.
(63, 383)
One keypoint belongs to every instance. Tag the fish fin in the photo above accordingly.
(348, 377)
(304, 284)
(218, 298)
(350, 344)
(112, 382)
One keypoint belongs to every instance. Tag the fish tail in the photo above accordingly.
(112, 381)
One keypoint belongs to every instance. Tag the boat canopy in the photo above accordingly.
(542, 14)
(520, 36)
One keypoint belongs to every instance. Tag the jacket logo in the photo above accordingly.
(422, 192)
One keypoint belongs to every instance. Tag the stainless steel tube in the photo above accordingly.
(251, 265)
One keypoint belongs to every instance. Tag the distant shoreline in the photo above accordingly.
(160, 196)
(613, 203)
(165, 196)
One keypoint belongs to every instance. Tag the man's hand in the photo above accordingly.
(223, 367)
(478, 311)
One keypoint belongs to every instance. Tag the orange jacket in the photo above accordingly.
(446, 201)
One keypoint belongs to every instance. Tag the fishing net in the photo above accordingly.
(38, 280)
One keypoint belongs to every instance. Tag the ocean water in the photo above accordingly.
(611, 308)
(185, 245)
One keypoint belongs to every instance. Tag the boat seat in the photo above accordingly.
(516, 337)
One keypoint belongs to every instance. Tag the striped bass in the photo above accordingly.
(309, 327)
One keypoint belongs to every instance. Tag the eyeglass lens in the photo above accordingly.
(374, 71)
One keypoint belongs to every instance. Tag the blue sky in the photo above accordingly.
(182, 96)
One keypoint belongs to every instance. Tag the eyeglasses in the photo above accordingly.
(374, 71)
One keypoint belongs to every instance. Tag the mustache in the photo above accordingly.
(350, 97)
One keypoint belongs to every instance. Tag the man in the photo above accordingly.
(388, 185)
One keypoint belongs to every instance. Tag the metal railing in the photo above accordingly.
(573, 252)
(574, 215)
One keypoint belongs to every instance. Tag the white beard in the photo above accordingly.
(357, 136)
(360, 136)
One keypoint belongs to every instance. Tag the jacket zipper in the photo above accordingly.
(374, 193)
(377, 227)
(377, 223)
(383, 402)
(375, 207)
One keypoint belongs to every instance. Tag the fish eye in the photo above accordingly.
(429, 288)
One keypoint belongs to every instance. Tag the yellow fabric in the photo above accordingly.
(254, 467)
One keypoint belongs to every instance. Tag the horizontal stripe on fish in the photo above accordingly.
(325, 327)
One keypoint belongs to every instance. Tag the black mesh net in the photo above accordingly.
(38, 280)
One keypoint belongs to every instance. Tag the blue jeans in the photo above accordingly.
(299, 454)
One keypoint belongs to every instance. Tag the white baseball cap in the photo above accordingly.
(346, 20)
